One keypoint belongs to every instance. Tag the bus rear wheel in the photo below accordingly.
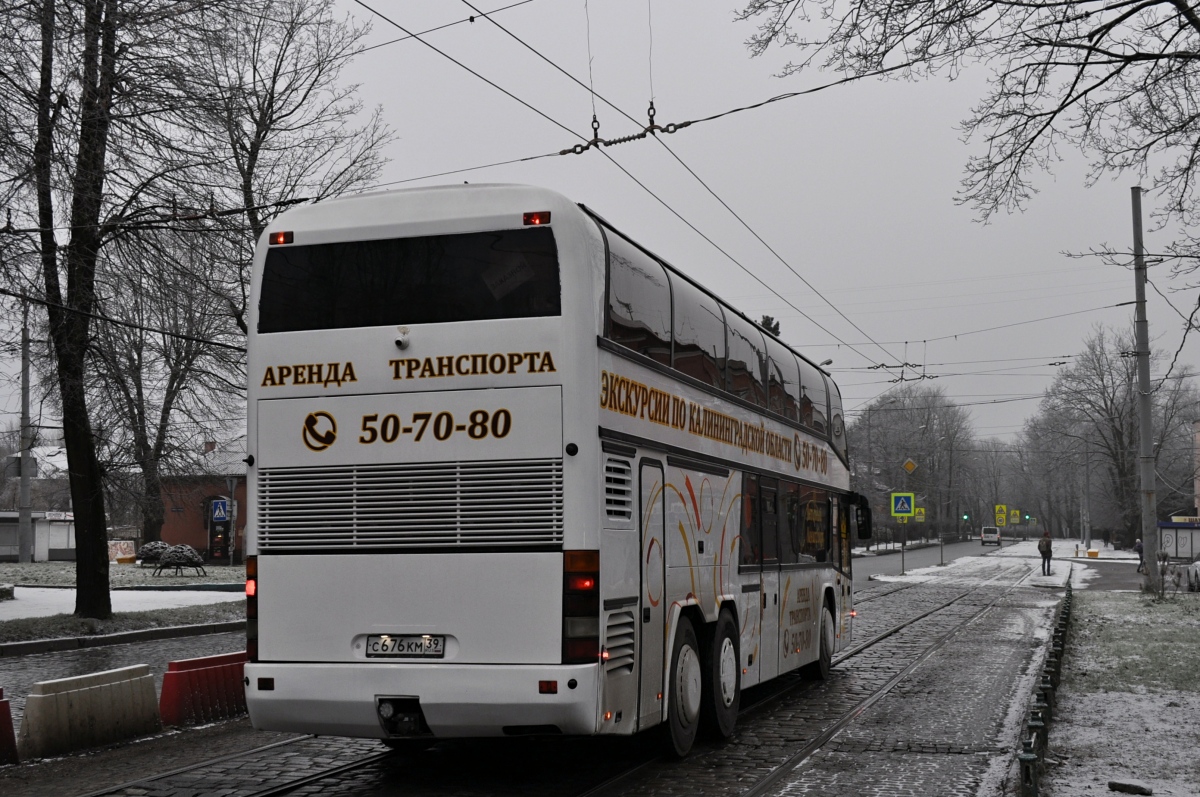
(819, 669)
(723, 679)
(684, 690)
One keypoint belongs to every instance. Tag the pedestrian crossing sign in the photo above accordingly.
(902, 504)
(220, 510)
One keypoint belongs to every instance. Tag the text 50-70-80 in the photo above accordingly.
(441, 425)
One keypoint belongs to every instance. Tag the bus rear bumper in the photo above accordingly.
(463, 700)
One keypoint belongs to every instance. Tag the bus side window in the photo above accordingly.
(783, 381)
(750, 557)
(639, 301)
(837, 424)
(816, 524)
(791, 524)
(699, 334)
(769, 521)
(812, 397)
(747, 354)
(843, 533)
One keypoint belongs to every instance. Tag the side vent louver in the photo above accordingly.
(618, 489)
(618, 641)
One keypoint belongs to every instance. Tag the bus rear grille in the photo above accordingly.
(502, 503)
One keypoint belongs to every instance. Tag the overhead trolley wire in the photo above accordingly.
(642, 185)
(992, 329)
(591, 89)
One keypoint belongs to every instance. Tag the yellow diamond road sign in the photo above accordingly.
(909, 465)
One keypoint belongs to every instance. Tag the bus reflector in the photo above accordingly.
(252, 608)
(537, 217)
(581, 607)
(854, 613)
(278, 238)
(547, 687)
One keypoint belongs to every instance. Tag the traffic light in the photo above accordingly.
(1026, 517)
(966, 516)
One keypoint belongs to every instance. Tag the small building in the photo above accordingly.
(53, 536)
(201, 509)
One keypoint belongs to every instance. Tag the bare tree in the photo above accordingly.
(283, 125)
(87, 123)
(266, 100)
(1115, 80)
(168, 380)
(1095, 401)
(914, 422)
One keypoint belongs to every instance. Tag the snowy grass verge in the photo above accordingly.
(66, 625)
(1129, 697)
(62, 574)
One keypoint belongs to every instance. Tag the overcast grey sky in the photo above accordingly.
(853, 186)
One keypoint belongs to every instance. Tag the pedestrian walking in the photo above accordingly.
(1137, 546)
(1045, 550)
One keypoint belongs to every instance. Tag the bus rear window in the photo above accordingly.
(425, 280)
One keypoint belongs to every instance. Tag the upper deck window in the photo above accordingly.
(639, 301)
(813, 400)
(837, 423)
(424, 280)
(783, 381)
(699, 335)
(747, 355)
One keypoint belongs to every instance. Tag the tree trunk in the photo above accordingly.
(153, 513)
(69, 331)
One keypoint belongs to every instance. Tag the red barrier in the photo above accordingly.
(202, 690)
(8, 739)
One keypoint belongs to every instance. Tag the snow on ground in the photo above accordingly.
(34, 602)
(62, 574)
(1129, 698)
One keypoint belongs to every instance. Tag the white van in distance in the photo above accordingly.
(989, 535)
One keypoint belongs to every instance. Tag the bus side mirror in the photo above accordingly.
(863, 515)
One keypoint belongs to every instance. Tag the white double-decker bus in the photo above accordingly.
(511, 473)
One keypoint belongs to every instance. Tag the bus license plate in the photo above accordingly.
(386, 646)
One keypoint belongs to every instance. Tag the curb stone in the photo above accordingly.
(124, 637)
(236, 587)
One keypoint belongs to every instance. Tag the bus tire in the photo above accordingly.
(684, 690)
(722, 679)
(819, 669)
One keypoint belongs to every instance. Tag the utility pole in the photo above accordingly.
(1146, 447)
(1085, 510)
(24, 516)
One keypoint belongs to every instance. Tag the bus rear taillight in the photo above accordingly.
(581, 607)
(252, 608)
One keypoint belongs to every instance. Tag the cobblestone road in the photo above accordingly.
(943, 730)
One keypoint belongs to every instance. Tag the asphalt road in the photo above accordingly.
(889, 564)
